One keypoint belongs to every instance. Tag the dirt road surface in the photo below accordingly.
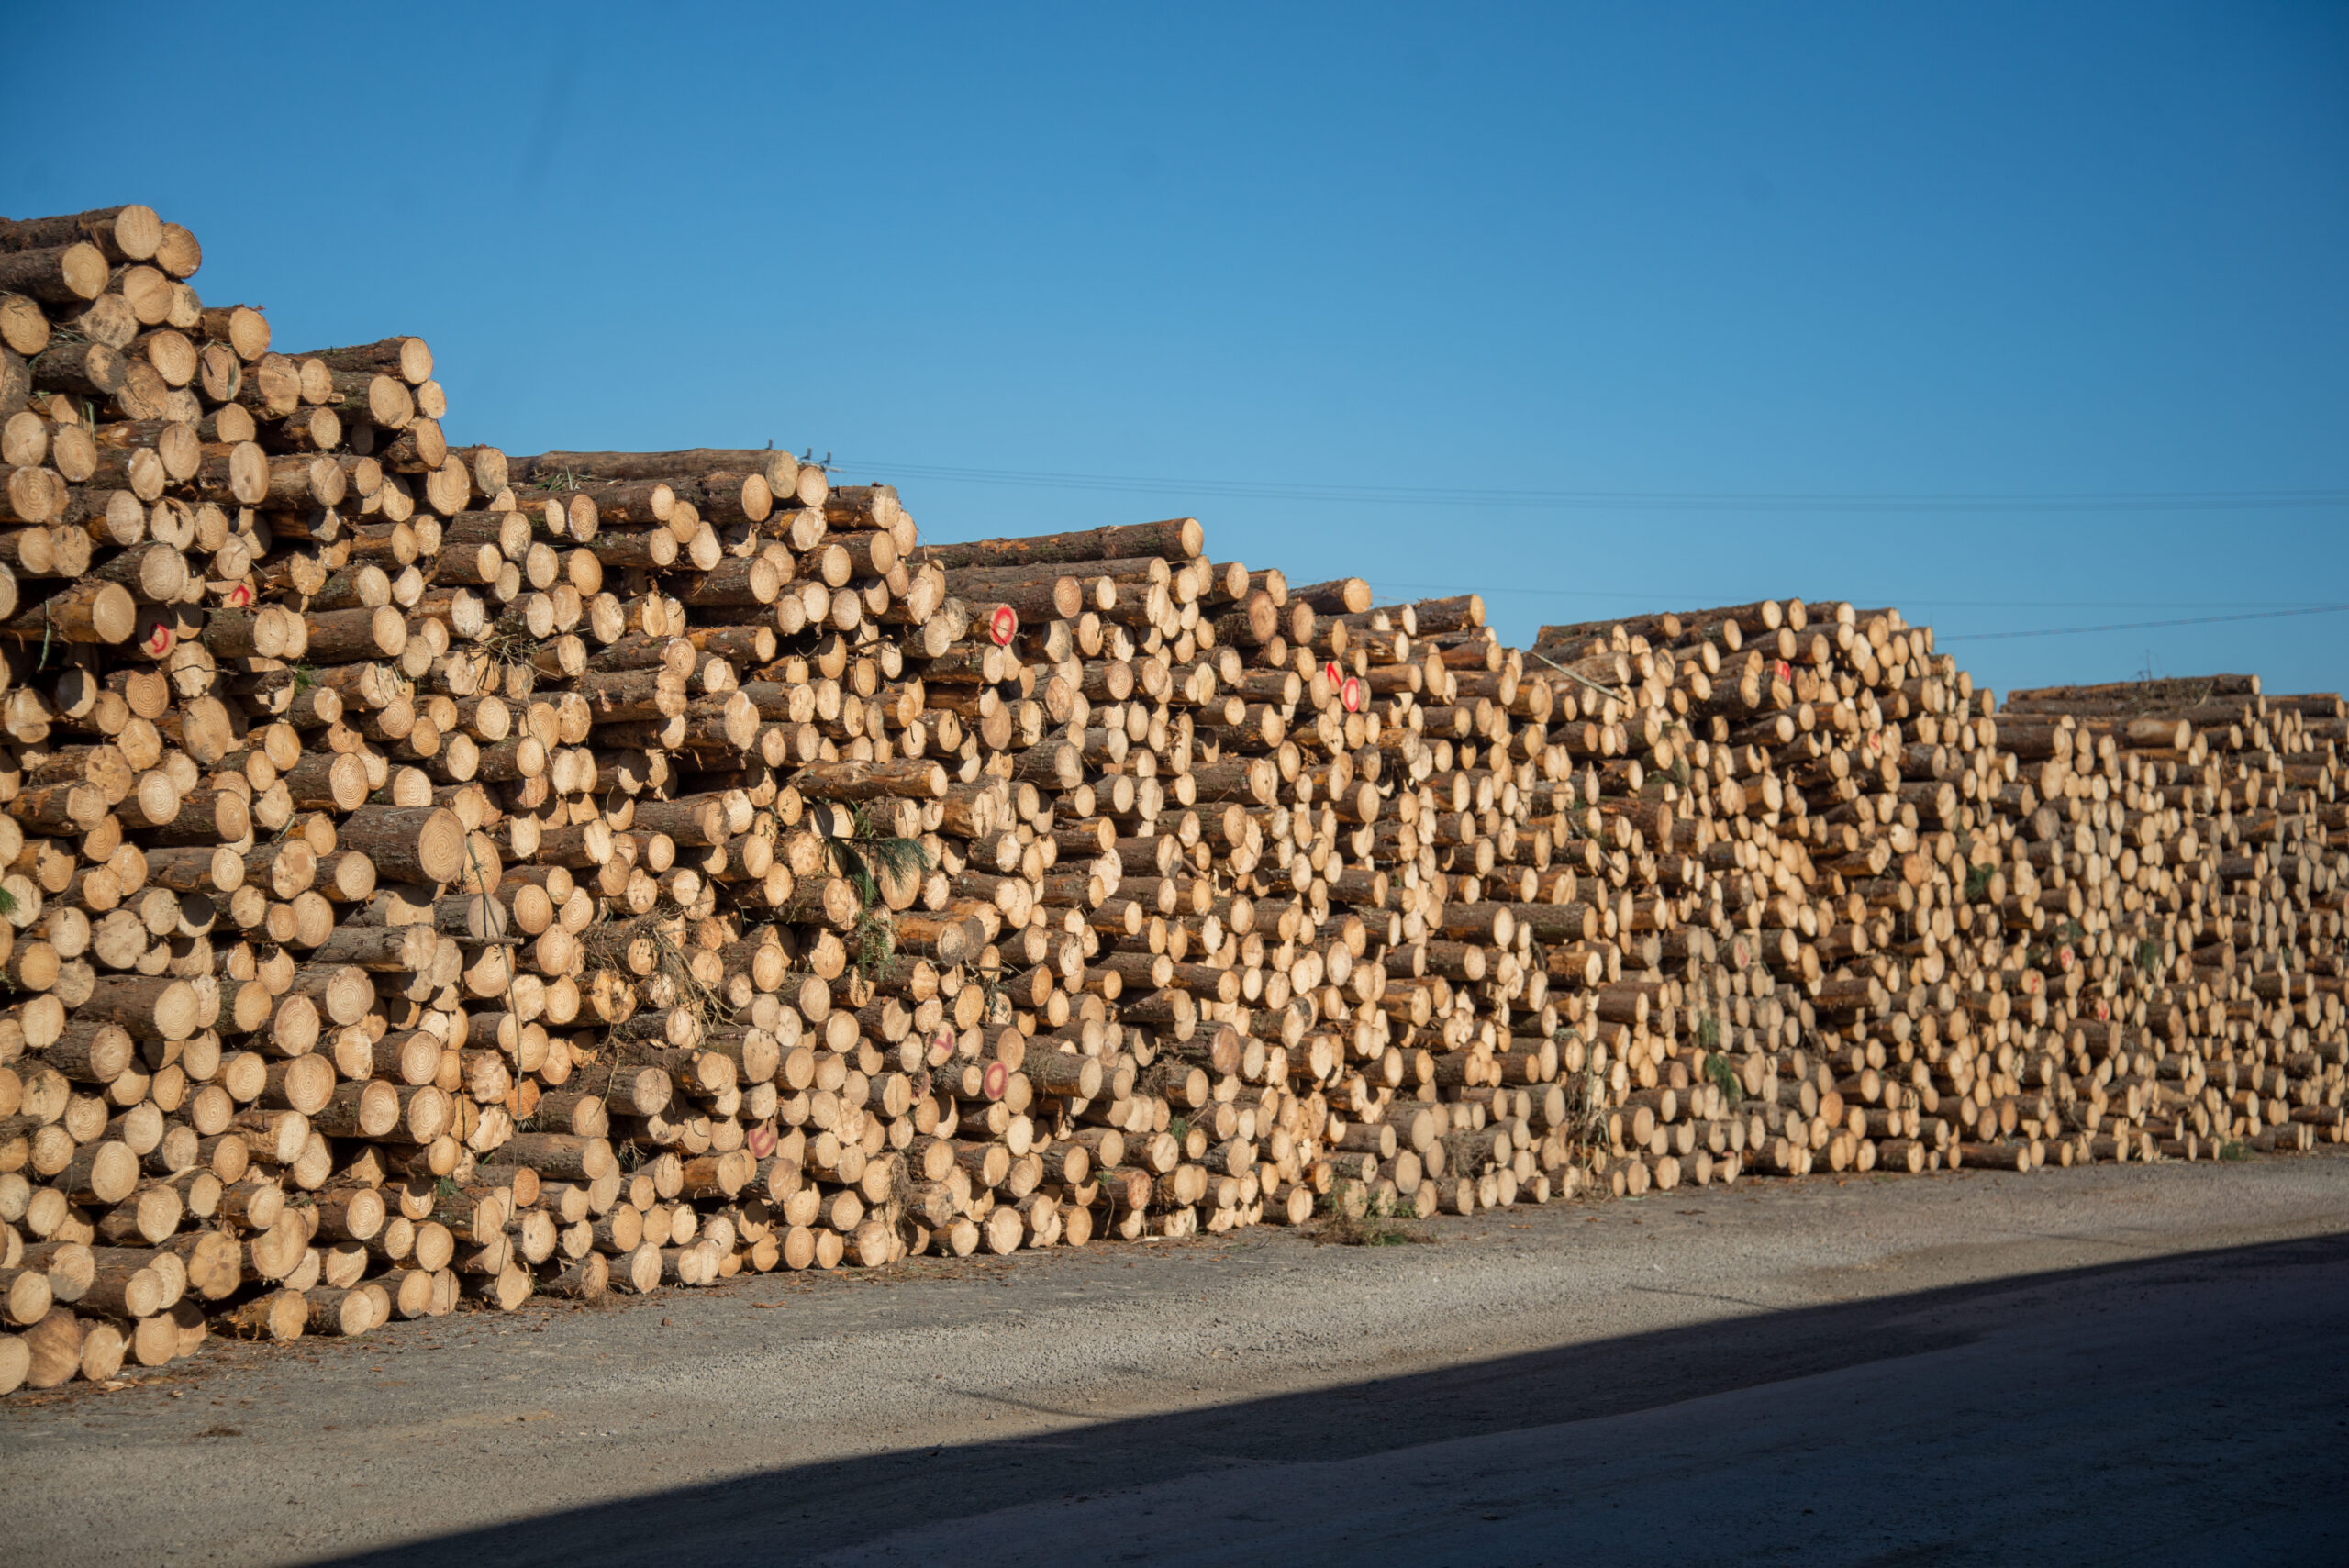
(2110, 1365)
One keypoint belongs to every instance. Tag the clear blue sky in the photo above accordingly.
(1307, 271)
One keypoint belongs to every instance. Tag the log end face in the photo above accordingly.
(441, 843)
(114, 613)
(389, 628)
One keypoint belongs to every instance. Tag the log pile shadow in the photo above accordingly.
(795, 1512)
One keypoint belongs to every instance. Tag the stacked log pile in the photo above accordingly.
(2238, 968)
(435, 877)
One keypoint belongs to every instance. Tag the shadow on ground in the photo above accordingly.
(2292, 1299)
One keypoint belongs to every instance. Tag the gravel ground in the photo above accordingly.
(2075, 1365)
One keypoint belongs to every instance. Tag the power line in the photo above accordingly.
(2139, 625)
(2265, 613)
(1382, 583)
(2021, 502)
(1984, 500)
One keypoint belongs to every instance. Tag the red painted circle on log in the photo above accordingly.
(1350, 694)
(997, 1079)
(1004, 625)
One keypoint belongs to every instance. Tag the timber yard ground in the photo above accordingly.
(2070, 1367)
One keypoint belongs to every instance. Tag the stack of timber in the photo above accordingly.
(434, 877)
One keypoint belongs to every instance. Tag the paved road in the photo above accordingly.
(2068, 1367)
